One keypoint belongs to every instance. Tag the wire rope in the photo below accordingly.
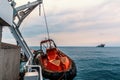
(45, 18)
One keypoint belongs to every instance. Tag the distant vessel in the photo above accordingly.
(101, 45)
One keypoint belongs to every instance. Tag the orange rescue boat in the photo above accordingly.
(55, 64)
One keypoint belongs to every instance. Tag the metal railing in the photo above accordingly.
(29, 68)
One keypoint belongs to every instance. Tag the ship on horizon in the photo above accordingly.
(101, 45)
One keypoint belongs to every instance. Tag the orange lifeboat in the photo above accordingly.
(55, 64)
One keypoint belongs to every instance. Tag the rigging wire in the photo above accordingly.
(45, 21)
(39, 10)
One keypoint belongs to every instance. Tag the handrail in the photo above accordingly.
(50, 41)
(29, 67)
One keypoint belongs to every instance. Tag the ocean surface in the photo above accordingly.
(95, 63)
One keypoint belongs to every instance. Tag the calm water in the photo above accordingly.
(95, 63)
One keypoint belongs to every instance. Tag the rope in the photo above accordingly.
(63, 76)
(46, 21)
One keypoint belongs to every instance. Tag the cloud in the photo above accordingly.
(75, 22)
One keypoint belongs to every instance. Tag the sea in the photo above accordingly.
(94, 63)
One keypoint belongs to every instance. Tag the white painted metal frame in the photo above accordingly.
(26, 9)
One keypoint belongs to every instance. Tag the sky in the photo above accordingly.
(72, 23)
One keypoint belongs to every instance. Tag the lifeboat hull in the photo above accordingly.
(55, 64)
(68, 75)
(53, 69)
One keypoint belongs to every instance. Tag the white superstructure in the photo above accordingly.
(6, 12)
